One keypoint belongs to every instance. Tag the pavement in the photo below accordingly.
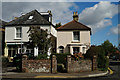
(56, 75)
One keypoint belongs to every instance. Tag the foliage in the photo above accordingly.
(61, 57)
(91, 52)
(109, 48)
(5, 62)
(52, 42)
(17, 60)
(61, 68)
(77, 56)
(102, 60)
(58, 25)
(39, 37)
(42, 56)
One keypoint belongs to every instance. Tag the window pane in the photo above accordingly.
(18, 35)
(76, 35)
(18, 32)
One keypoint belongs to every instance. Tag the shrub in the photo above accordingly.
(61, 57)
(17, 61)
(61, 68)
(77, 56)
(5, 62)
(42, 56)
(91, 52)
(102, 60)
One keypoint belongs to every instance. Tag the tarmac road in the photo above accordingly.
(115, 66)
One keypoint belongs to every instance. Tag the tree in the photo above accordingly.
(58, 25)
(38, 37)
(102, 60)
(109, 48)
(91, 52)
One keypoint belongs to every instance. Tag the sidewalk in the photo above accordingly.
(57, 75)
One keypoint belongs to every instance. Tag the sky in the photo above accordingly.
(101, 16)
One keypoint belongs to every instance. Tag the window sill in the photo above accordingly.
(75, 41)
(17, 39)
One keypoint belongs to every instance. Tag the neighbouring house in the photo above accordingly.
(2, 36)
(16, 36)
(73, 37)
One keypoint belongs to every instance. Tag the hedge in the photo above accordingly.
(61, 57)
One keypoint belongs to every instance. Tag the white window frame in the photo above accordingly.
(19, 33)
(73, 36)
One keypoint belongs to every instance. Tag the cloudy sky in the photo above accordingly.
(101, 16)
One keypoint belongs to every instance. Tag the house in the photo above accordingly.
(2, 36)
(16, 31)
(73, 37)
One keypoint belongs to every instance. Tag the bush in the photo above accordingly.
(91, 52)
(77, 56)
(61, 68)
(17, 61)
(61, 57)
(42, 56)
(102, 60)
(5, 62)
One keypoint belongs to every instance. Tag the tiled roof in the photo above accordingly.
(31, 18)
(2, 23)
(73, 25)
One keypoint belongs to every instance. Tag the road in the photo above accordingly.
(114, 65)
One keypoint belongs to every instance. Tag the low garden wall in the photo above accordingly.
(39, 65)
(80, 65)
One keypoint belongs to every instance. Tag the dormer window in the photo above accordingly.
(31, 17)
(76, 36)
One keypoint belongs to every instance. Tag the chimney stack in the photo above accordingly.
(75, 16)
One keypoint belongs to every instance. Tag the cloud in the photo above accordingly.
(116, 30)
(99, 16)
(60, 10)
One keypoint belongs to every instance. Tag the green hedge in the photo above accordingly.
(102, 60)
(5, 62)
(61, 57)
(42, 56)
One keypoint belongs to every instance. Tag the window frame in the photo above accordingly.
(16, 33)
(78, 36)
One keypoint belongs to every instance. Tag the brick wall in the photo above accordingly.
(38, 65)
(78, 66)
(94, 63)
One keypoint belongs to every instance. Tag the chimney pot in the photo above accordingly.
(75, 16)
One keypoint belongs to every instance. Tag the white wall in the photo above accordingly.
(53, 31)
(10, 34)
(66, 37)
